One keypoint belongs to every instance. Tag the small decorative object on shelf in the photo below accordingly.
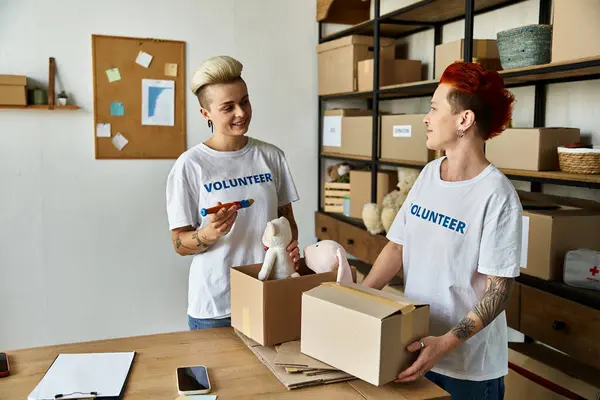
(525, 46)
(40, 96)
(62, 98)
(578, 158)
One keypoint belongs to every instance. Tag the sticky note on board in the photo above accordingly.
(103, 130)
(119, 141)
(117, 109)
(113, 74)
(170, 69)
(144, 59)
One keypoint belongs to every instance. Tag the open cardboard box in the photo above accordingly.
(361, 331)
(269, 312)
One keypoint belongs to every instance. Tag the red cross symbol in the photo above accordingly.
(594, 270)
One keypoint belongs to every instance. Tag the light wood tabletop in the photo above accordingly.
(234, 370)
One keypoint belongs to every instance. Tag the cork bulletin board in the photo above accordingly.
(139, 97)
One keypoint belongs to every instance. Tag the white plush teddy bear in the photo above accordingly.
(379, 219)
(327, 256)
(278, 263)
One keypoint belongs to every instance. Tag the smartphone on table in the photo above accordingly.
(193, 380)
(4, 366)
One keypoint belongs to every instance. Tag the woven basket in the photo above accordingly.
(579, 160)
(525, 46)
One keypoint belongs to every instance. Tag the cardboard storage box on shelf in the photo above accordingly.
(269, 311)
(532, 149)
(13, 90)
(360, 189)
(574, 29)
(403, 137)
(552, 229)
(361, 331)
(391, 72)
(485, 52)
(348, 132)
(338, 61)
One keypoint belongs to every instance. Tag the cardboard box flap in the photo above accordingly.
(352, 40)
(17, 80)
(372, 302)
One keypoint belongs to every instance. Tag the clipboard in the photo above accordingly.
(111, 369)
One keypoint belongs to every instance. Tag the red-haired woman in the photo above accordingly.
(458, 239)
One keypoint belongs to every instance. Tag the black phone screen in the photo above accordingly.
(3, 363)
(192, 378)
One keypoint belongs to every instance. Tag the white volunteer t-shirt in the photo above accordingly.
(454, 234)
(201, 178)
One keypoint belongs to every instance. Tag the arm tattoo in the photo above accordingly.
(495, 299)
(464, 329)
(202, 245)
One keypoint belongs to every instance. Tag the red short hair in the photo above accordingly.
(482, 92)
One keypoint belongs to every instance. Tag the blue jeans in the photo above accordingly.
(459, 389)
(197, 324)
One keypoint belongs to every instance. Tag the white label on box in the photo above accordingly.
(332, 131)
(524, 242)
(402, 130)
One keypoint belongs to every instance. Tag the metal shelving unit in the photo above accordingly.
(433, 14)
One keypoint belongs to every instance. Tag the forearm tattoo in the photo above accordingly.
(494, 301)
(464, 329)
(203, 246)
(200, 244)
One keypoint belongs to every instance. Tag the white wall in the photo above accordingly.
(85, 250)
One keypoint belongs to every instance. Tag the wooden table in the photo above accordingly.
(234, 371)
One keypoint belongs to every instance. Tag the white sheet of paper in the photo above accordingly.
(158, 102)
(332, 131)
(144, 59)
(525, 242)
(119, 141)
(104, 373)
(103, 130)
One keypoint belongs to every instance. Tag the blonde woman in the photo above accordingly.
(228, 167)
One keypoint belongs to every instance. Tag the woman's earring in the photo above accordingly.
(210, 125)
(460, 133)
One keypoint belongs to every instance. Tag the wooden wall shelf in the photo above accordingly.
(40, 107)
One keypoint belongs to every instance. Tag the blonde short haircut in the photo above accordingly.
(220, 69)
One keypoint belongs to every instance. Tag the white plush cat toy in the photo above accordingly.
(278, 263)
(327, 256)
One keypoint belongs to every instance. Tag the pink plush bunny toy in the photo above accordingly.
(327, 256)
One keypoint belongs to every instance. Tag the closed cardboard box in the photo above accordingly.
(348, 132)
(361, 331)
(532, 149)
(550, 234)
(269, 311)
(391, 72)
(13, 90)
(403, 138)
(575, 27)
(360, 189)
(338, 61)
(485, 51)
